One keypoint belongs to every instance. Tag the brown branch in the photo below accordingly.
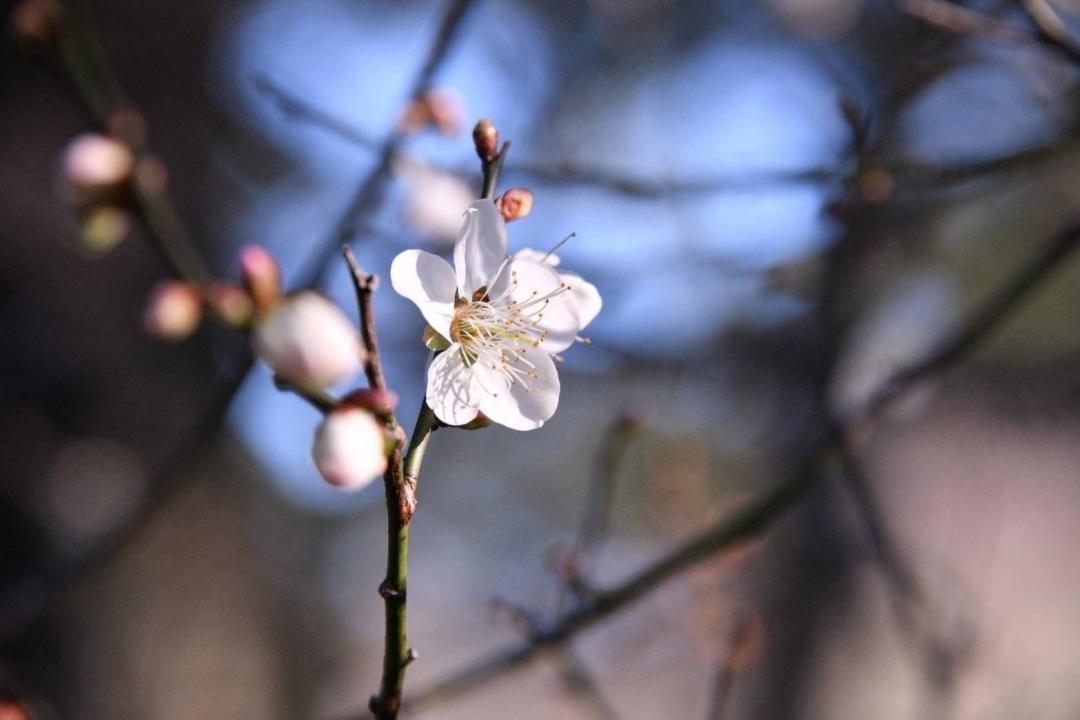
(318, 399)
(760, 514)
(1050, 31)
(371, 191)
(922, 175)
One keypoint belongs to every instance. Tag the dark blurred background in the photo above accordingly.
(782, 202)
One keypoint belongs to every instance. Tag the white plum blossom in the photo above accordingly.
(307, 340)
(503, 317)
(350, 448)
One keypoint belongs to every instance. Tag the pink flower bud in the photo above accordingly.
(372, 399)
(231, 304)
(486, 138)
(308, 341)
(96, 163)
(13, 710)
(440, 107)
(515, 203)
(174, 311)
(350, 448)
(151, 175)
(262, 276)
(35, 20)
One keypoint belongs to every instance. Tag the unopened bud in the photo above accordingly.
(350, 448)
(308, 341)
(486, 138)
(440, 107)
(95, 166)
(35, 20)
(374, 400)
(262, 276)
(13, 710)
(231, 304)
(151, 175)
(515, 203)
(129, 125)
(174, 310)
(103, 228)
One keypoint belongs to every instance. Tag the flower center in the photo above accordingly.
(498, 334)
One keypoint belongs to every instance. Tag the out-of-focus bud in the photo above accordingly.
(434, 201)
(103, 228)
(440, 107)
(96, 166)
(308, 341)
(875, 185)
(129, 125)
(13, 710)
(230, 303)
(350, 448)
(377, 401)
(262, 276)
(35, 20)
(515, 203)
(486, 138)
(174, 311)
(151, 175)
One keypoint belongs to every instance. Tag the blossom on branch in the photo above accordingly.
(350, 448)
(502, 318)
(308, 341)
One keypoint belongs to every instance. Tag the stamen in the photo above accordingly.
(557, 246)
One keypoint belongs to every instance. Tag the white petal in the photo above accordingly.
(428, 281)
(523, 405)
(452, 391)
(584, 296)
(481, 247)
(523, 282)
(537, 256)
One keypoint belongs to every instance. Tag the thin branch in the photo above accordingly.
(318, 399)
(995, 311)
(961, 20)
(922, 175)
(372, 189)
(759, 515)
(598, 507)
(399, 482)
(365, 285)
(1051, 32)
(301, 110)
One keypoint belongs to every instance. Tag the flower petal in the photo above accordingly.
(527, 284)
(481, 247)
(452, 391)
(428, 281)
(584, 296)
(522, 405)
(537, 256)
